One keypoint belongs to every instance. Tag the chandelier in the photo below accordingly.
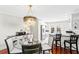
(30, 20)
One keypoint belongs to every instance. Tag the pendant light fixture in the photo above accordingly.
(30, 20)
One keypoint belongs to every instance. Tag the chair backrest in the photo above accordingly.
(74, 38)
(58, 36)
(31, 49)
(9, 44)
(20, 33)
(13, 42)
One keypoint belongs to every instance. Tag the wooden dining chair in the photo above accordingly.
(10, 46)
(73, 41)
(32, 49)
(57, 39)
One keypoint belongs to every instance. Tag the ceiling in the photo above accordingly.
(43, 12)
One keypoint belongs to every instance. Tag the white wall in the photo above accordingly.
(64, 25)
(9, 25)
(75, 22)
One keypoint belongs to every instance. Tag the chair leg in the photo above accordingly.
(64, 46)
(76, 48)
(52, 46)
(60, 47)
(70, 49)
(43, 52)
(56, 47)
(49, 51)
